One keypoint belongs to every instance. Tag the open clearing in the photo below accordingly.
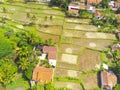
(68, 58)
(73, 86)
(88, 60)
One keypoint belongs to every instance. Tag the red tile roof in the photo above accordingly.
(42, 74)
(93, 1)
(73, 11)
(117, 15)
(52, 55)
(118, 34)
(108, 79)
(47, 49)
(117, 4)
(51, 51)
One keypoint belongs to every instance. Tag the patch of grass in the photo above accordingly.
(18, 83)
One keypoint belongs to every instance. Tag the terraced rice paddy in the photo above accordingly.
(79, 43)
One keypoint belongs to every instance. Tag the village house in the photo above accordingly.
(42, 75)
(108, 80)
(118, 34)
(98, 15)
(48, 51)
(91, 9)
(116, 4)
(115, 47)
(74, 8)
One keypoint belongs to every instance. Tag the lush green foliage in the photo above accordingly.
(8, 71)
(85, 14)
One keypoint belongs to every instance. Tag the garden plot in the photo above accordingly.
(90, 81)
(68, 58)
(56, 20)
(76, 20)
(92, 43)
(51, 29)
(72, 86)
(67, 73)
(66, 66)
(100, 35)
(73, 33)
(80, 27)
(45, 36)
(88, 60)
(72, 49)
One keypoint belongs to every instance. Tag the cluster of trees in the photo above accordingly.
(109, 22)
(16, 50)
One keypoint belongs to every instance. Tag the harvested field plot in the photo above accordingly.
(90, 81)
(73, 33)
(100, 35)
(72, 49)
(72, 86)
(88, 60)
(45, 36)
(68, 58)
(66, 40)
(76, 20)
(51, 29)
(67, 73)
(80, 27)
(92, 43)
(67, 66)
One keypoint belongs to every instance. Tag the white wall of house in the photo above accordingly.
(42, 57)
(73, 7)
(52, 62)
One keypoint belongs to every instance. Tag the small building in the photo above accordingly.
(98, 15)
(91, 9)
(116, 4)
(51, 51)
(108, 80)
(47, 51)
(74, 8)
(42, 75)
(115, 47)
(118, 34)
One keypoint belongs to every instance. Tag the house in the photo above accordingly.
(42, 75)
(91, 9)
(108, 80)
(115, 47)
(116, 4)
(118, 34)
(47, 51)
(74, 8)
(111, 3)
(51, 51)
(98, 15)
(90, 2)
